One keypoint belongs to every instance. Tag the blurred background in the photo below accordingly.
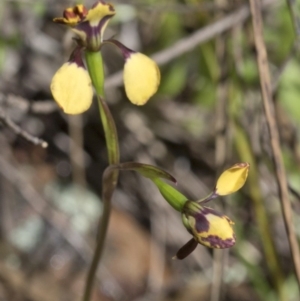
(206, 116)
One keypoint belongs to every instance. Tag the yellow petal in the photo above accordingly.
(208, 227)
(90, 24)
(72, 15)
(141, 78)
(220, 234)
(71, 88)
(98, 12)
(232, 179)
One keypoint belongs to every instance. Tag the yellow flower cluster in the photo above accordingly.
(71, 85)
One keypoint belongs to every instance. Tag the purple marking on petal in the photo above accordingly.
(86, 28)
(97, 2)
(216, 242)
(103, 21)
(125, 51)
(111, 8)
(91, 30)
(76, 57)
(210, 197)
(93, 33)
(207, 210)
(202, 224)
(199, 213)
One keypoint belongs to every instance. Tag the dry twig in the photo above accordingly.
(162, 57)
(19, 131)
(265, 81)
(199, 37)
(54, 218)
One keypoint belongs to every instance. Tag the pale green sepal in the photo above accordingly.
(186, 222)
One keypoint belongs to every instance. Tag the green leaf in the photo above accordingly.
(174, 79)
(171, 195)
(146, 170)
(248, 70)
(110, 131)
(289, 91)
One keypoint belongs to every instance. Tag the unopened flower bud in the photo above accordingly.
(232, 179)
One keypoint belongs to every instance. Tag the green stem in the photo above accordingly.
(95, 68)
(110, 132)
(102, 230)
(94, 64)
(244, 149)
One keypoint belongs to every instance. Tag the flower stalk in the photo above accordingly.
(72, 88)
(94, 62)
(109, 182)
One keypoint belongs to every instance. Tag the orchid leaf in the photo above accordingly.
(110, 132)
(146, 170)
(171, 195)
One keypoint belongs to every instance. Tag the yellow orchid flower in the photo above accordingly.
(71, 82)
(89, 25)
(207, 226)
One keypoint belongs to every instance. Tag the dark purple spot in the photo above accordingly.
(202, 224)
(69, 14)
(84, 26)
(76, 57)
(103, 21)
(216, 242)
(93, 33)
(207, 210)
(187, 249)
(81, 13)
(111, 8)
(96, 3)
(125, 51)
